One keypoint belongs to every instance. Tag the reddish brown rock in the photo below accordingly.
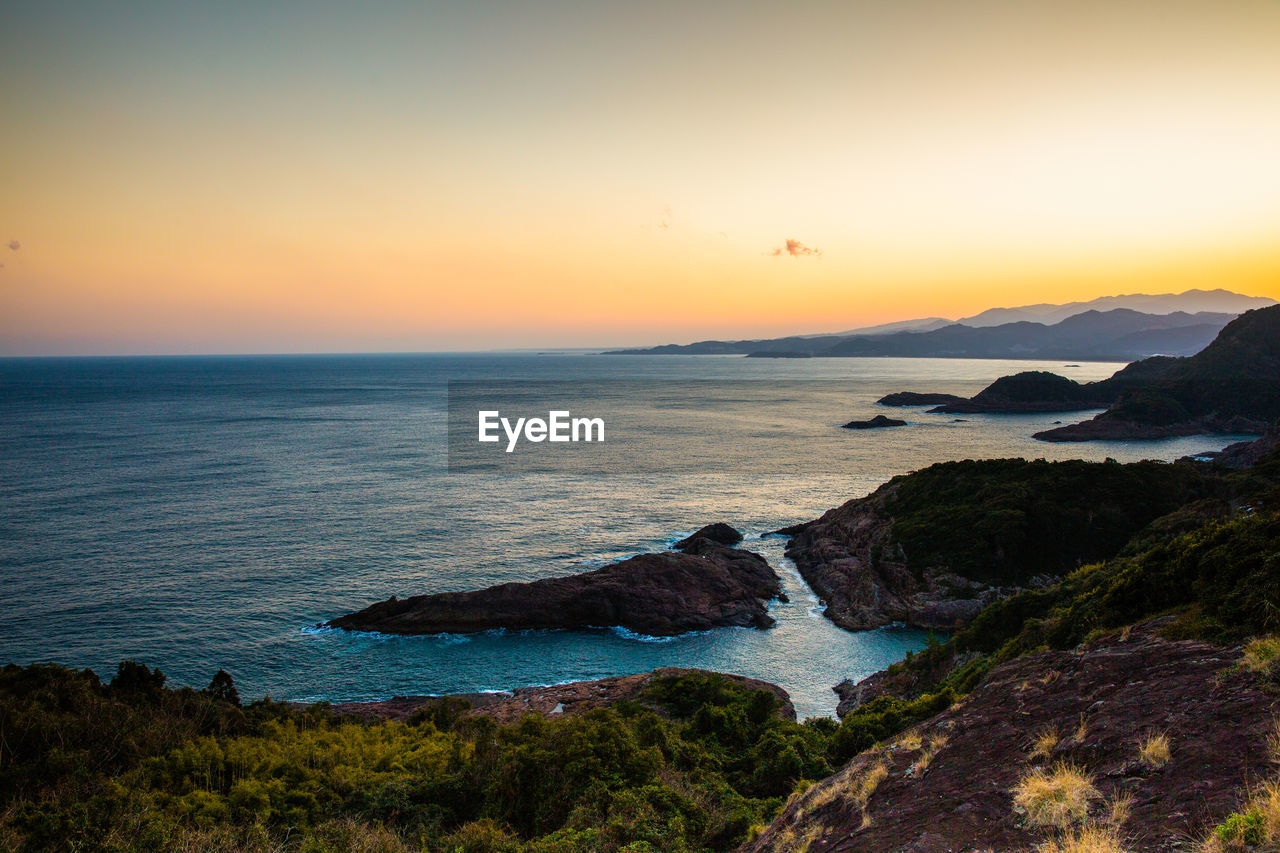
(847, 558)
(1102, 700)
(654, 594)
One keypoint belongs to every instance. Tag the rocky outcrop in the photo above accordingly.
(710, 586)
(1242, 454)
(878, 422)
(1111, 428)
(849, 559)
(575, 698)
(911, 398)
(1033, 391)
(947, 784)
(719, 533)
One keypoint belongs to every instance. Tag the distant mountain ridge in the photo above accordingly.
(1120, 328)
(1230, 386)
(1191, 302)
(1117, 335)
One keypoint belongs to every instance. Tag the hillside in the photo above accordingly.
(1129, 707)
(1232, 385)
(1147, 740)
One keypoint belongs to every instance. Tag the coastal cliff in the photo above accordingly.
(934, 548)
(707, 585)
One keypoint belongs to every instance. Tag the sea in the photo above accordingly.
(198, 513)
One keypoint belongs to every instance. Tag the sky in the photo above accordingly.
(311, 177)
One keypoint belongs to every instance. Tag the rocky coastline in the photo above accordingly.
(1110, 428)
(849, 559)
(703, 585)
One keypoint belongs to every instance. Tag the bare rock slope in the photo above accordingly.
(948, 784)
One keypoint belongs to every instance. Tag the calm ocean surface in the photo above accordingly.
(198, 513)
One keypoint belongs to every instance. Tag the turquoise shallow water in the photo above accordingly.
(199, 513)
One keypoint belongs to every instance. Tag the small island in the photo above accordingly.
(878, 422)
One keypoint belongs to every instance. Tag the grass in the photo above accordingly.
(1042, 746)
(1059, 797)
(1119, 809)
(1082, 731)
(1257, 825)
(935, 745)
(867, 784)
(911, 741)
(1088, 840)
(1261, 654)
(1153, 750)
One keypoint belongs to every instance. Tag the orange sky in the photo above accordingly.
(495, 174)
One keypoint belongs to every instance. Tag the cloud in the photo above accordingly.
(14, 245)
(795, 249)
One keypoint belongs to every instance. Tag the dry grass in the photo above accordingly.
(866, 785)
(858, 788)
(1273, 742)
(911, 741)
(1059, 797)
(936, 743)
(1089, 840)
(1153, 750)
(1119, 809)
(1260, 654)
(1082, 731)
(1042, 746)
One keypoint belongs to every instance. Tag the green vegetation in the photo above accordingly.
(133, 765)
(1235, 376)
(1210, 562)
(1007, 520)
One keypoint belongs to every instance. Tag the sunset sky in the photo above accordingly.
(289, 177)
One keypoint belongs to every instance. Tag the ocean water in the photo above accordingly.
(207, 512)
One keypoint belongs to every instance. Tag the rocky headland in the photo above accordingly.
(913, 398)
(704, 585)
(850, 559)
(1230, 386)
(933, 548)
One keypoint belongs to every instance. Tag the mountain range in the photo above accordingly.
(1119, 328)
(1230, 386)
